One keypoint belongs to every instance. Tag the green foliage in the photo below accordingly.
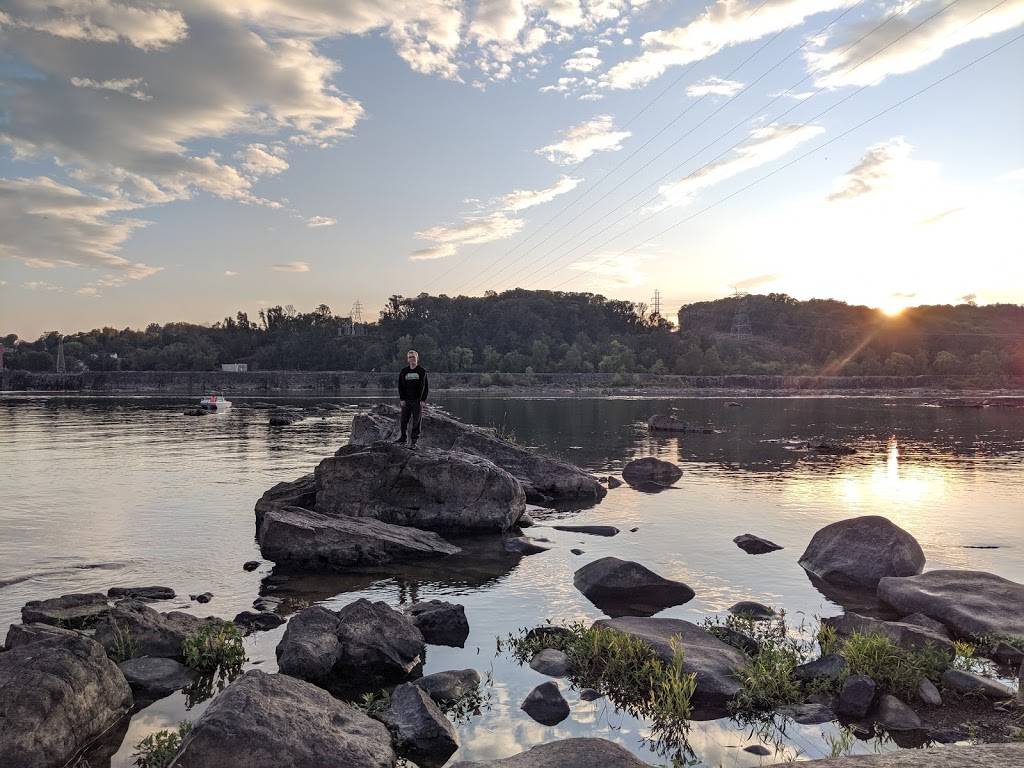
(840, 744)
(215, 647)
(158, 749)
(125, 645)
(895, 669)
(827, 639)
(374, 702)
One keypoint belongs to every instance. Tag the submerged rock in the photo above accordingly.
(74, 611)
(662, 422)
(568, 753)
(755, 545)
(268, 721)
(420, 730)
(251, 621)
(751, 609)
(439, 622)
(154, 677)
(650, 471)
(250, 565)
(133, 627)
(142, 593)
(910, 636)
(624, 588)
(860, 551)
(449, 686)
(546, 705)
(283, 418)
(524, 545)
(832, 448)
(807, 714)
(614, 482)
(593, 530)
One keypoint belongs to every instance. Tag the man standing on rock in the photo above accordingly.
(412, 391)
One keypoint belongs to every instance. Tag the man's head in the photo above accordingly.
(413, 358)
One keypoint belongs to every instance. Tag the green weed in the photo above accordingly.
(215, 647)
(158, 749)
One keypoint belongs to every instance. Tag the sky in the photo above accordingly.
(180, 160)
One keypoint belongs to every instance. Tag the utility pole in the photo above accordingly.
(656, 302)
(356, 317)
(741, 320)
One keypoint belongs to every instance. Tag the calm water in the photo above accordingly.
(104, 492)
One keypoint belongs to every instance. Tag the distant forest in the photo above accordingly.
(522, 331)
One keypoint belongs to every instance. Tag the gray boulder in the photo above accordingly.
(439, 622)
(420, 730)
(857, 696)
(973, 756)
(75, 611)
(428, 488)
(807, 714)
(58, 695)
(624, 588)
(134, 626)
(910, 636)
(755, 545)
(22, 634)
(568, 753)
(550, 662)
(969, 603)
(593, 530)
(650, 471)
(928, 693)
(546, 705)
(752, 609)
(860, 551)
(154, 677)
(968, 682)
(543, 479)
(297, 493)
(893, 715)
(832, 666)
(304, 540)
(524, 545)
(920, 620)
(251, 621)
(449, 686)
(269, 721)
(715, 664)
(363, 646)
(141, 593)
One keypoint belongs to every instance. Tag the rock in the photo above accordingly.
(568, 753)
(154, 677)
(857, 696)
(832, 448)
(361, 647)
(589, 694)
(755, 545)
(920, 620)
(549, 632)
(661, 422)
(753, 610)
(833, 667)
(22, 634)
(624, 588)
(968, 682)
(283, 419)
(971, 756)
(543, 479)
(268, 721)
(546, 705)
(928, 693)
(266, 603)
(134, 626)
(614, 482)
(450, 686)
(59, 694)
(525, 521)
(860, 551)
(593, 530)
(576, 551)
(736, 639)
(298, 493)
(524, 545)
(1007, 655)
(550, 662)
(910, 636)
(715, 664)
(439, 622)
(75, 611)
(308, 541)
(970, 603)
(196, 412)
(733, 404)
(650, 471)
(428, 488)
(420, 730)
(142, 593)
(893, 715)
(250, 621)
(807, 714)
(205, 597)
(757, 749)
(250, 565)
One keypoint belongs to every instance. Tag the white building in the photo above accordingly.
(235, 367)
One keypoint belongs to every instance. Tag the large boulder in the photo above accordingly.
(755, 545)
(624, 588)
(420, 730)
(153, 677)
(75, 611)
(363, 646)
(141, 593)
(22, 634)
(715, 664)
(267, 721)
(301, 539)
(910, 636)
(893, 715)
(568, 753)
(649, 471)
(439, 622)
(57, 695)
(969, 603)
(297, 493)
(972, 756)
(546, 705)
(428, 488)
(543, 479)
(449, 686)
(860, 551)
(133, 628)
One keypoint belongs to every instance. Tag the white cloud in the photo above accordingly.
(757, 281)
(291, 266)
(230, 273)
(714, 86)
(42, 285)
(498, 20)
(584, 60)
(261, 160)
(321, 221)
(764, 145)
(103, 21)
(472, 230)
(564, 85)
(1015, 175)
(619, 269)
(581, 141)
(130, 86)
(883, 166)
(521, 199)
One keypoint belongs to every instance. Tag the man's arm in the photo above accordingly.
(426, 388)
(399, 385)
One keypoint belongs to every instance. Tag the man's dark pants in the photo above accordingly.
(412, 409)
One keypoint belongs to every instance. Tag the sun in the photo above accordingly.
(893, 310)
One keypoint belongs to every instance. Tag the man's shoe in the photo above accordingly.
(412, 446)
(399, 441)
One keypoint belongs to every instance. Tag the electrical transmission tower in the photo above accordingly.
(61, 366)
(656, 303)
(741, 320)
(356, 317)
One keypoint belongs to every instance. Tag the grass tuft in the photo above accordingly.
(158, 749)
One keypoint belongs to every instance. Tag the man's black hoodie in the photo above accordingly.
(412, 384)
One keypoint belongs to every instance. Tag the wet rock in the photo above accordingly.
(650, 471)
(567, 753)
(550, 662)
(624, 588)
(928, 693)
(153, 677)
(860, 551)
(428, 488)
(661, 422)
(525, 521)
(361, 647)
(250, 621)
(250, 565)
(546, 705)
(308, 541)
(920, 620)
(1007, 655)
(524, 545)
(807, 714)
(133, 625)
(970, 603)
(576, 551)
(757, 749)
(439, 622)
(910, 636)
(893, 715)
(543, 479)
(266, 603)
(733, 404)
(968, 682)
(419, 729)
(755, 545)
(751, 609)
(715, 664)
(142, 593)
(449, 686)
(268, 721)
(196, 412)
(548, 633)
(593, 530)
(857, 696)
(22, 634)
(589, 694)
(298, 493)
(736, 639)
(283, 418)
(614, 482)
(832, 666)
(832, 448)
(58, 695)
(74, 611)
(204, 597)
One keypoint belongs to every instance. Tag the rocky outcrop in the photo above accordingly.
(755, 545)
(21, 634)
(428, 488)
(439, 622)
(624, 588)
(153, 678)
(75, 611)
(57, 695)
(300, 539)
(969, 603)
(860, 551)
(910, 636)
(268, 721)
(449, 686)
(297, 493)
(133, 626)
(973, 756)
(361, 647)
(545, 480)
(546, 705)
(568, 753)
(524, 545)
(419, 729)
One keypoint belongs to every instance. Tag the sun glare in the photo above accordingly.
(892, 310)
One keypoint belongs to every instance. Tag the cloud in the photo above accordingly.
(230, 273)
(472, 230)
(714, 86)
(261, 160)
(521, 199)
(882, 167)
(130, 86)
(498, 20)
(321, 221)
(42, 285)
(936, 218)
(619, 269)
(969, 298)
(1014, 175)
(103, 21)
(584, 60)
(291, 266)
(581, 141)
(765, 145)
(749, 283)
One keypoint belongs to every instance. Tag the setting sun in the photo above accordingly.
(892, 310)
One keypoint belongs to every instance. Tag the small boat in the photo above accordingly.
(215, 402)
